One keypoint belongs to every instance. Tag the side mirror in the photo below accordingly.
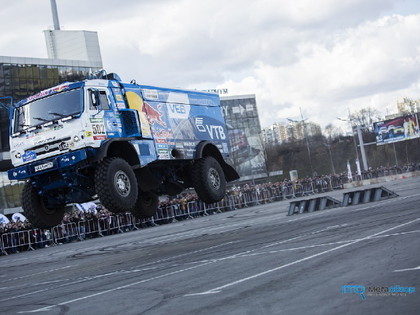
(95, 98)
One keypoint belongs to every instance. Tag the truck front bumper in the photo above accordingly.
(48, 165)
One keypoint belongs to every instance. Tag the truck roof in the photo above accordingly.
(175, 95)
(149, 92)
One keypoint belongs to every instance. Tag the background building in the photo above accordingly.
(279, 133)
(244, 131)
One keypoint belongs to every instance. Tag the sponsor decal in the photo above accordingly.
(100, 137)
(153, 115)
(164, 134)
(96, 120)
(19, 173)
(180, 111)
(163, 153)
(63, 146)
(216, 132)
(111, 123)
(225, 148)
(44, 93)
(28, 156)
(42, 141)
(150, 94)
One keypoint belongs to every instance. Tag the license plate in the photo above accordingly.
(45, 166)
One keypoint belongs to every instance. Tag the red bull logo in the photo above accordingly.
(153, 115)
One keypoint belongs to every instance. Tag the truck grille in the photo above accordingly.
(57, 145)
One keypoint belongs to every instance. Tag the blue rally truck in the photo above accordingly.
(122, 143)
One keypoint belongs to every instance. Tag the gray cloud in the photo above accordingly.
(322, 55)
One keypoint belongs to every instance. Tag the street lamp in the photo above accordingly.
(302, 121)
(328, 145)
(361, 143)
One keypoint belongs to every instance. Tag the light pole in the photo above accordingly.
(362, 147)
(328, 145)
(361, 143)
(302, 121)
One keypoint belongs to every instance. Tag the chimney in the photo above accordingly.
(55, 15)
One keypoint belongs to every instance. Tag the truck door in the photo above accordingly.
(102, 119)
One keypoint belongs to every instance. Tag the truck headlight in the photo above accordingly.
(76, 138)
(18, 155)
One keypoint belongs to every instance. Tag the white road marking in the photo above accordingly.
(47, 308)
(38, 273)
(220, 288)
(407, 269)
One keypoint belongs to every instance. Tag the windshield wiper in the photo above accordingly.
(67, 116)
(59, 115)
(41, 119)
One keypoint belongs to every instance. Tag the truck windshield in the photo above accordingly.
(50, 108)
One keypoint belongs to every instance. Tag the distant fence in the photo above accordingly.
(176, 210)
(14, 242)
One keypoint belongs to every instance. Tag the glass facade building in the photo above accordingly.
(244, 131)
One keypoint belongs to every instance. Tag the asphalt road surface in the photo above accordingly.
(255, 260)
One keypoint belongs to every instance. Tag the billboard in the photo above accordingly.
(244, 132)
(397, 129)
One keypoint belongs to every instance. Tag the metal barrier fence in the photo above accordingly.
(84, 229)
(177, 210)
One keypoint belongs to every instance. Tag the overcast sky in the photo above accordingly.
(325, 56)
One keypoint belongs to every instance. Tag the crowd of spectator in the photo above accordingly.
(188, 205)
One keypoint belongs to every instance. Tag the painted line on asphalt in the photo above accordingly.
(227, 285)
(48, 308)
(407, 269)
(38, 273)
(218, 289)
(275, 251)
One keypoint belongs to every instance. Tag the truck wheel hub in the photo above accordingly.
(122, 183)
(214, 178)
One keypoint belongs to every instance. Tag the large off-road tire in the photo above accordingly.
(35, 210)
(116, 185)
(209, 179)
(146, 205)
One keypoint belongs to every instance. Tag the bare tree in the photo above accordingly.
(331, 131)
(412, 105)
(365, 117)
